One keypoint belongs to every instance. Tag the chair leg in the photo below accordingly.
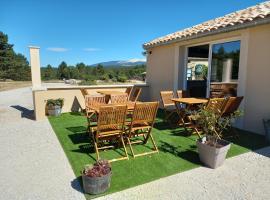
(124, 146)
(130, 146)
(96, 146)
(153, 141)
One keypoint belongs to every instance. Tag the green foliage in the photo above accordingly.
(55, 102)
(12, 65)
(211, 122)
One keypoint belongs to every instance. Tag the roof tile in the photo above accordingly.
(259, 11)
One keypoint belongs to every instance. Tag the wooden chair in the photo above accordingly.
(231, 106)
(128, 91)
(182, 93)
(84, 92)
(215, 105)
(167, 104)
(141, 125)
(135, 95)
(119, 98)
(92, 101)
(110, 127)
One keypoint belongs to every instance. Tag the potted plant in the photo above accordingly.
(54, 106)
(211, 148)
(97, 178)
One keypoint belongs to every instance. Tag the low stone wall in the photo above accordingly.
(73, 98)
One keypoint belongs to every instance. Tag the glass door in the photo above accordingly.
(197, 70)
(224, 69)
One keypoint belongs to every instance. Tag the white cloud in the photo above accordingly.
(57, 49)
(91, 49)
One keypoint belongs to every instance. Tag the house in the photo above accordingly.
(234, 51)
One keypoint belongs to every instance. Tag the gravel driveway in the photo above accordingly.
(33, 164)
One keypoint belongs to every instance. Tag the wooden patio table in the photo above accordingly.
(108, 94)
(190, 103)
(130, 106)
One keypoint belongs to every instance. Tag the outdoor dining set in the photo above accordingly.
(117, 119)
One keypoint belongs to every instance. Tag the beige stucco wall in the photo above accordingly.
(159, 70)
(254, 70)
(73, 98)
(257, 104)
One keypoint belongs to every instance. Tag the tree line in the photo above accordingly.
(90, 74)
(15, 66)
(12, 65)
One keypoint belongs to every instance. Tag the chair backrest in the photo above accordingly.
(166, 98)
(232, 105)
(119, 98)
(135, 95)
(128, 91)
(144, 113)
(94, 100)
(84, 92)
(216, 105)
(111, 117)
(182, 93)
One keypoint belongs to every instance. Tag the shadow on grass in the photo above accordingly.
(246, 139)
(188, 154)
(77, 113)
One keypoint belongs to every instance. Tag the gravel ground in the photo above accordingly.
(33, 164)
(245, 177)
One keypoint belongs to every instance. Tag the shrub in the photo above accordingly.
(99, 169)
(55, 102)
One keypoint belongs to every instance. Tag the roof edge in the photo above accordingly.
(214, 32)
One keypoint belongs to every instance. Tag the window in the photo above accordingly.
(225, 62)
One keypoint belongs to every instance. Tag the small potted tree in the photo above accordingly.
(97, 178)
(211, 148)
(54, 106)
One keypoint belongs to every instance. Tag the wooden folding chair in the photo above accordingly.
(167, 104)
(119, 98)
(231, 106)
(84, 92)
(90, 102)
(135, 95)
(110, 127)
(214, 105)
(128, 91)
(141, 125)
(182, 93)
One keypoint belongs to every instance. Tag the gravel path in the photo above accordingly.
(33, 164)
(245, 177)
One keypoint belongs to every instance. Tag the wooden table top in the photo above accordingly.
(190, 101)
(109, 92)
(130, 106)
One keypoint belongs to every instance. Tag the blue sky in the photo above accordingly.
(93, 31)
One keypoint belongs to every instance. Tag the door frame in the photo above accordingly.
(211, 43)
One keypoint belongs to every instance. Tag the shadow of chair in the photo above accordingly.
(188, 154)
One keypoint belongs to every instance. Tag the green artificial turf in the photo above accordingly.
(177, 152)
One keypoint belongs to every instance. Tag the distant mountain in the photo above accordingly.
(122, 63)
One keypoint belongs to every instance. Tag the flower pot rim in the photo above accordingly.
(98, 177)
(220, 141)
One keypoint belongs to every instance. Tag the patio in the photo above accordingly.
(177, 151)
